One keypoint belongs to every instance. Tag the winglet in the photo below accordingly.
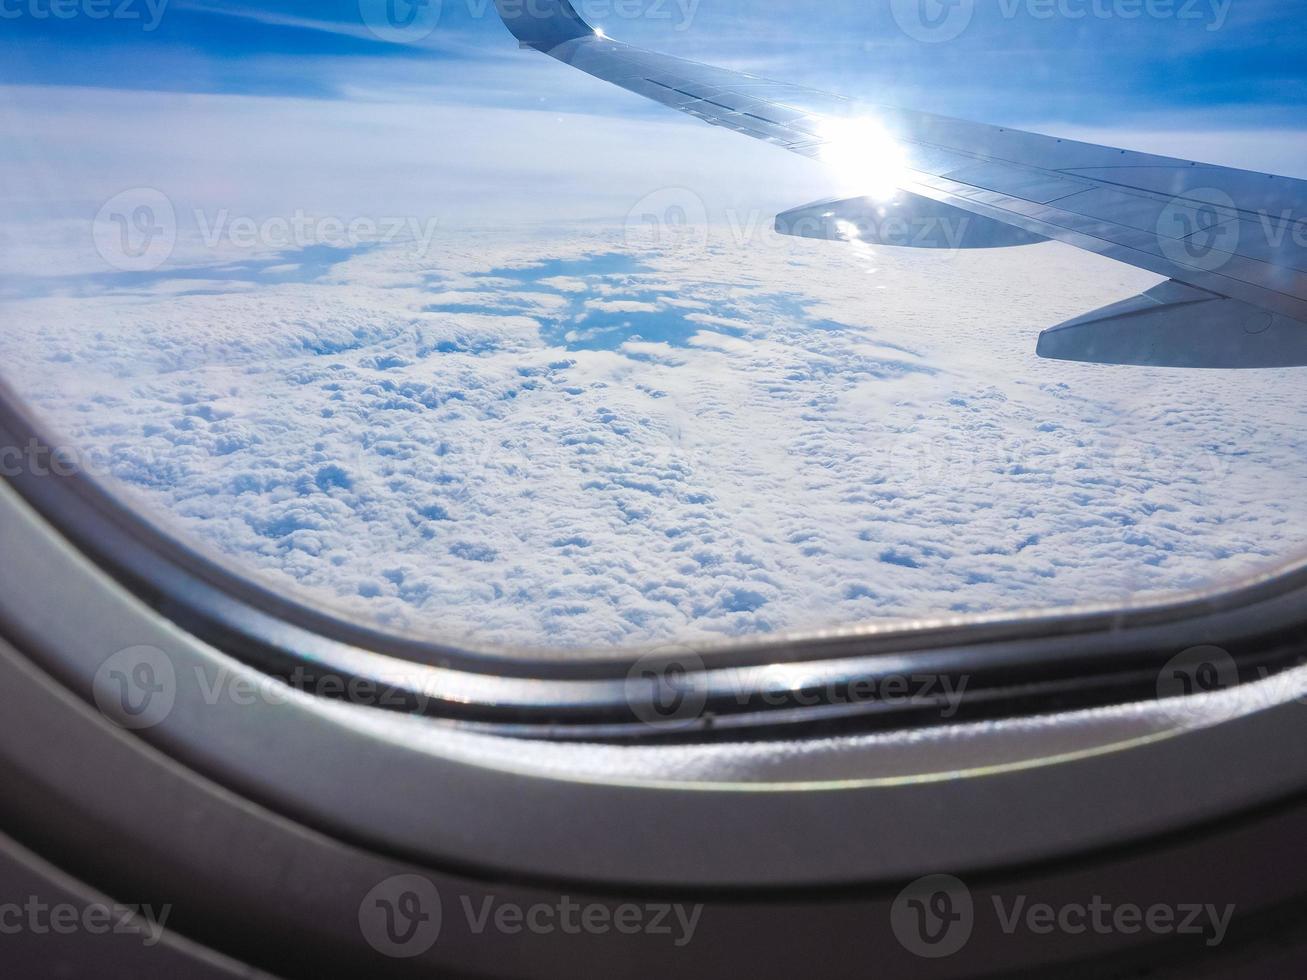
(542, 24)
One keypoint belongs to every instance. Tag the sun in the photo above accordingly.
(865, 156)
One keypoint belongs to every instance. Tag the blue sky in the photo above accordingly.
(264, 107)
(1085, 61)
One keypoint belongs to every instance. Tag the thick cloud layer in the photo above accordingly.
(568, 440)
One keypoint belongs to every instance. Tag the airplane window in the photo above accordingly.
(400, 313)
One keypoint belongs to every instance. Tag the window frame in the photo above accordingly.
(482, 795)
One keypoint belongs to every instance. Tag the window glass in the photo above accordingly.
(440, 333)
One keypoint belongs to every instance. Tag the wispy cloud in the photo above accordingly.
(447, 40)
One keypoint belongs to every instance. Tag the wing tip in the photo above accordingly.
(543, 24)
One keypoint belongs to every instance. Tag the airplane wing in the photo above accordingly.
(1232, 243)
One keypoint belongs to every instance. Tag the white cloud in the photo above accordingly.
(805, 434)
(70, 149)
(401, 439)
(620, 306)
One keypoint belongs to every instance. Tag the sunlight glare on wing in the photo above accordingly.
(848, 230)
(851, 233)
(864, 155)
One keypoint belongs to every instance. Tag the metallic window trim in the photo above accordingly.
(711, 815)
(128, 821)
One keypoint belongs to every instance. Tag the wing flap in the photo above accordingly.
(1176, 325)
(1038, 186)
(1276, 242)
